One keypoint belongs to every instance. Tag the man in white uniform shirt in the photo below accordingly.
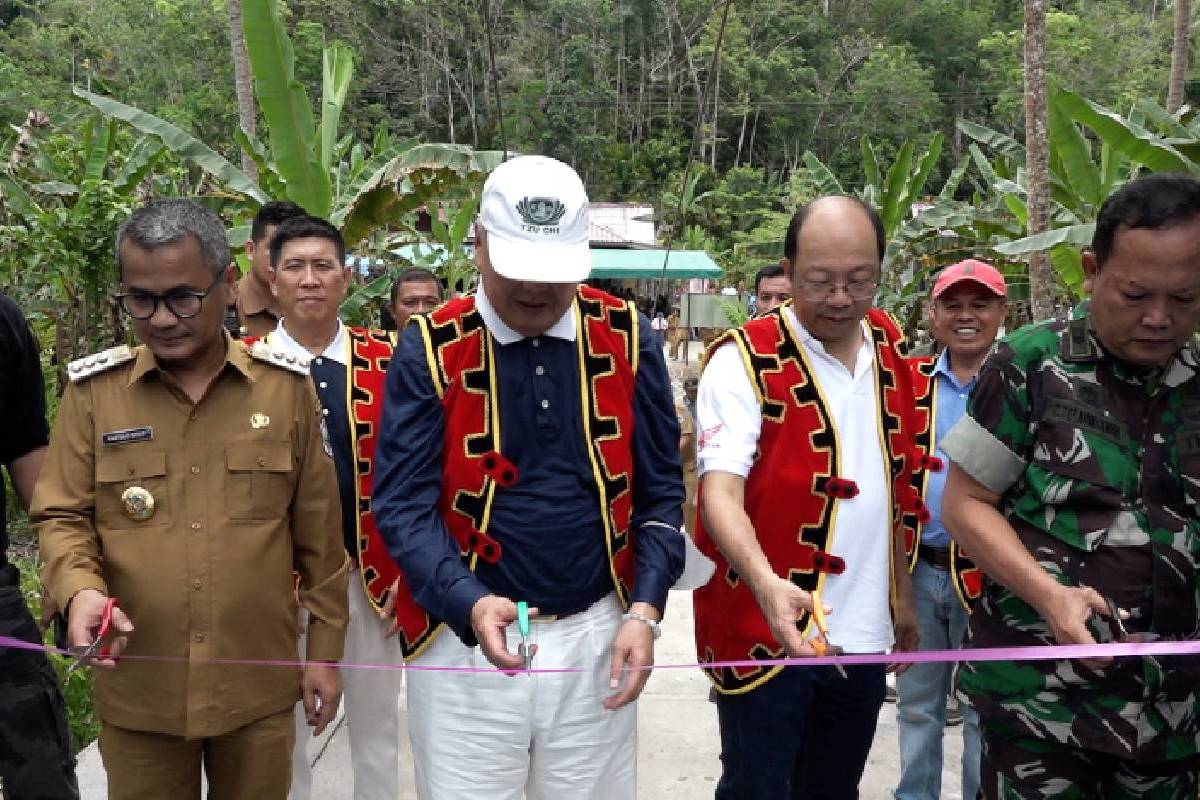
(804, 465)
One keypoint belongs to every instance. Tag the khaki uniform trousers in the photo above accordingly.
(253, 762)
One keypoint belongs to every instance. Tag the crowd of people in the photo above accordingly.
(502, 492)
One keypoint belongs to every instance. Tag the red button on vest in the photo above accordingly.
(499, 469)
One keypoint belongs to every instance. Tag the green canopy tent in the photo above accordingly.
(610, 263)
(623, 264)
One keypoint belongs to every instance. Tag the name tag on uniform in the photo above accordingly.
(113, 438)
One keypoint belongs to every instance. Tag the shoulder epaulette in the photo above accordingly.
(261, 351)
(94, 364)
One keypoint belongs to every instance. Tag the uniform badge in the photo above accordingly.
(112, 438)
(138, 503)
(259, 420)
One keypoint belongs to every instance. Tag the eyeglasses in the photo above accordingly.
(181, 302)
(816, 291)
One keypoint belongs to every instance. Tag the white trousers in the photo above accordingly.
(489, 735)
(372, 703)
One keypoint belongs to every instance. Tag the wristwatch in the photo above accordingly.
(655, 628)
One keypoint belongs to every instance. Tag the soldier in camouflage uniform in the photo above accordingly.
(1075, 485)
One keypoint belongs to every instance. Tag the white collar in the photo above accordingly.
(866, 353)
(334, 351)
(563, 329)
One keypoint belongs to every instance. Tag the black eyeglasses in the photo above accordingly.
(180, 302)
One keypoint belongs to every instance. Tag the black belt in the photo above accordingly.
(938, 557)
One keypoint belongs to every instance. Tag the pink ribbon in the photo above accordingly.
(1033, 653)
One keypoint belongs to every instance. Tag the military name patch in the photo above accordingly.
(113, 438)
(1086, 418)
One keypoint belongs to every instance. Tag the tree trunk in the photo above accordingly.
(1041, 275)
(1179, 54)
(242, 81)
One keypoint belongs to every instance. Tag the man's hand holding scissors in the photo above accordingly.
(96, 624)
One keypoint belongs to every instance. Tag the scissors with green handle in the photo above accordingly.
(524, 651)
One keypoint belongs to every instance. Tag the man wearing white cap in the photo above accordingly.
(528, 454)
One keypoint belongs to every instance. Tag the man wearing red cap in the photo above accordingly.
(966, 310)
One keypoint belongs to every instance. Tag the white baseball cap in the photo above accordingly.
(535, 211)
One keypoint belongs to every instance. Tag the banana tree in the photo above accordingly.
(62, 202)
(303, 159)
(1082, 173)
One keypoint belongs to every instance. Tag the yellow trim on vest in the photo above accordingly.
(802, 351)
(430, 356)
(752, 685)
(585, 394)
(494, 410)
(635, 348)
(358, 531)
(889, 479)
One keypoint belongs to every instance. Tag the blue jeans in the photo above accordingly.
(803, 734)
(923, 689)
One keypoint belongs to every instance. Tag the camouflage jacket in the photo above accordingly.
(1098, 467)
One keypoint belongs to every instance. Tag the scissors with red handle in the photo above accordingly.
(97, 644)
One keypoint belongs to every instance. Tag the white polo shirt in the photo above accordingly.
(730, 420)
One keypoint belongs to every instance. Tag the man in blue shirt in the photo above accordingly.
(529, 453)
(965, 312)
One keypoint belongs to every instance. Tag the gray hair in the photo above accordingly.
(169, 221)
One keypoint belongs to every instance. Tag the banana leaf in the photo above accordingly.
(178, 141)
(337, 68)
(291, 132)
(1140, 145)
(1080, 235)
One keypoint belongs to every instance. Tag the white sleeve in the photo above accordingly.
(727, 414)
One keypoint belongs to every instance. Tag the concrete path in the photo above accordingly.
(677, 738)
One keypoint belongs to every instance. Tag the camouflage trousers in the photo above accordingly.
(36, 760)
(1019, 767)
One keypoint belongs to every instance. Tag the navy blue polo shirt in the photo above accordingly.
(548, 524)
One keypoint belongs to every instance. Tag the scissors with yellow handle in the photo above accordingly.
(821, 643)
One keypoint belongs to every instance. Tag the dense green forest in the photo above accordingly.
(612, 86)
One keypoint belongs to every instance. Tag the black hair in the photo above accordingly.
(306, 227)
(1153, 201)
(275, 212)
(792, 240)
(769, 271)
(415, 275)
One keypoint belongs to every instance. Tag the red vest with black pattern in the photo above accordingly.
(462, 365)
(968, 578)
(368, 354)
(794, 487)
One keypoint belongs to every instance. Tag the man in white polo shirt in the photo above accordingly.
(805, 462)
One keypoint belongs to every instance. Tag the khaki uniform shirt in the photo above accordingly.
(258, 313)
(244, 493)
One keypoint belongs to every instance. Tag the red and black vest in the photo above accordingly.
(794, 487)
(968, 578)
(462, 366)
(368, 353)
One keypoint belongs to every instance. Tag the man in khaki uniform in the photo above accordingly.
(187, 479)
(258, 311)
